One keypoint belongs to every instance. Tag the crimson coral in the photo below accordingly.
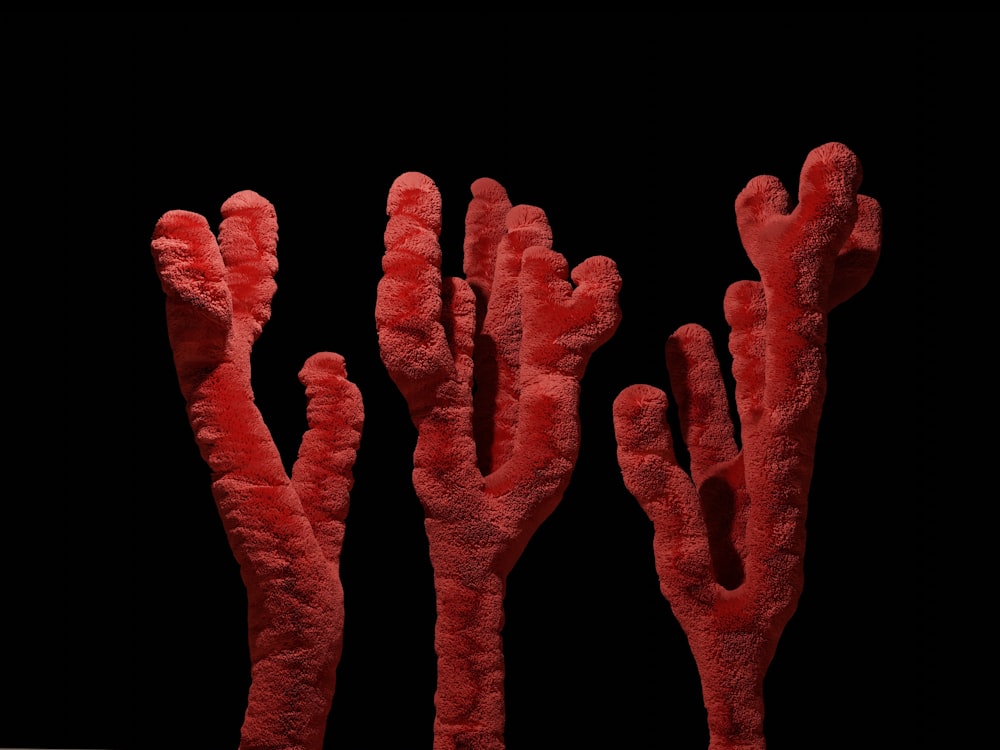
(729, 538)
(490, 367)
(285, 532)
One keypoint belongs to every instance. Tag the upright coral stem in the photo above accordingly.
(285, 532)
(729, 537)
(490, 367)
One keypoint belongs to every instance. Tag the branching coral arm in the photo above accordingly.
(485, 231)
(729, 540)
(746, 312)
(563, 323)
(425, 336)
(801, 254)
(664, 490)
(409, 308)
(715, 463)
(323, 472)
(490, 370)
(499, 234)
(702, 403)
(285, 533)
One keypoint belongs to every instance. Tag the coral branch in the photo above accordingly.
(286, 533)
(729, 537)
(490, 368)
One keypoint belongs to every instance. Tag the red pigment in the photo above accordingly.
(489, 467)
(729, 537)
(285, 532)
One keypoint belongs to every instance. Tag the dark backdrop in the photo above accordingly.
(634, 133)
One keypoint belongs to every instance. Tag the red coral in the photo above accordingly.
(285, 532)
(490, 368)
(730, 536)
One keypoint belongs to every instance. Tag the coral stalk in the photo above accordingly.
(285, 532)
(490, 367)
(729, 536)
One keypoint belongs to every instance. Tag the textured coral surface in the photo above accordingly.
(730, 532)
(490, 367)
(285, 532)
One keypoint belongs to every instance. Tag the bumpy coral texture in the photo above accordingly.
(729, 537)
(490, 367)
(285, 532)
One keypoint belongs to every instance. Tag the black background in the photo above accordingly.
(635, 133)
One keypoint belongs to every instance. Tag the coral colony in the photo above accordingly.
(491, 367)
(285, 532)
(729, 538)
(488, 468)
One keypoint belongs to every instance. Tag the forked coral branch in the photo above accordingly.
(729, 537)
(490, 367)
(285, 532)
